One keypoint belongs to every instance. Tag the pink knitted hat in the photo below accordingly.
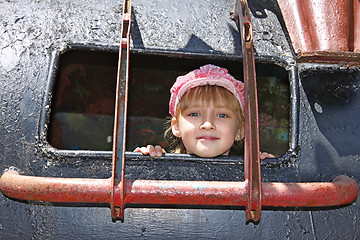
(206, 75)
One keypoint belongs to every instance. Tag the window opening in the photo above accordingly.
(82, 109)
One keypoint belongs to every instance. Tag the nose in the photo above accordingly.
(207, 125)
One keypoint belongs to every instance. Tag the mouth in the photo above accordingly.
(208, 138)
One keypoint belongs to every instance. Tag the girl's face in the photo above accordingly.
(207, 131)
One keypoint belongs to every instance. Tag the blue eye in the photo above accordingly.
(194, 114)
(222, 115)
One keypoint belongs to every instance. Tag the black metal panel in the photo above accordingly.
(31, 30)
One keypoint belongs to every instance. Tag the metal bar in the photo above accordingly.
(294, 103)
(118, 158)
(48, 189)
(356, 41)
(252, 148)
(344, 58)
(343, 190)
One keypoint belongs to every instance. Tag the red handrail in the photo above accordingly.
(343, 190)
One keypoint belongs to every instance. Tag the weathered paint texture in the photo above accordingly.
(315, 26)
(329, 131)
(342, 191)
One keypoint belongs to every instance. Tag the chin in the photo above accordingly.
(208, 155)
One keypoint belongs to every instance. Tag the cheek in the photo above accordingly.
(233, 127)
(186, 126)
(186, 130)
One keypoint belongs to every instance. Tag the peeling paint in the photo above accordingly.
(30, 30)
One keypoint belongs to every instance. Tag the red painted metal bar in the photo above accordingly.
(49, 189)
(343, 190)
(252, 159)
(118, 158)
(356, 43)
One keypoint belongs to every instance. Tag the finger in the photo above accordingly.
(158, 150)
(264, 155)
(151, 150)
(143, 150)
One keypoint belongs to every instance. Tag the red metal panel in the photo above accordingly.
(296, 24)
(328, 24)
(323, 26)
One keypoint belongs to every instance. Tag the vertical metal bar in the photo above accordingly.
(252, 158)
(356, 12)
(295, 102)
(119, 143)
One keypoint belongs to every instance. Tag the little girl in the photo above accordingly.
(206, 106)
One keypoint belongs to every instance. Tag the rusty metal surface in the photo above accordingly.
(252, 148)
(322, 26)
(356, 19)
(31, 30)
(55, 189)
(249, 193)
(349, 59)
(119, 133)
(343, 190)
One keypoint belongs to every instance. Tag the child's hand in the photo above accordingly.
(156, 151)
(264, 155)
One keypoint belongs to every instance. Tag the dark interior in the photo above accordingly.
(83, 100)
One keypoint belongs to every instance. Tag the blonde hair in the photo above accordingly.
(203, 96)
